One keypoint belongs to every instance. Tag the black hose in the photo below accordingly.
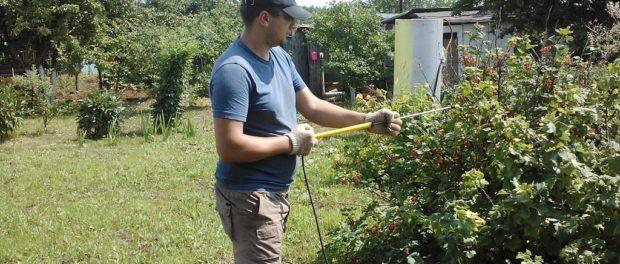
(316, 218)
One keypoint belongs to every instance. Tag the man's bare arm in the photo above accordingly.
(234, 146)
(324, 113)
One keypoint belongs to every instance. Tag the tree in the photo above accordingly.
(605, 39)
(390, 6)
(544, 17)
(127, 37)
(214, 31)
(35, 31)
(127, 53)
(357, 50)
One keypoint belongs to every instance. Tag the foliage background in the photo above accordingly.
(540, 19)
(358, 51)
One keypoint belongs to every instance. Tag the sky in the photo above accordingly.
(315, 2)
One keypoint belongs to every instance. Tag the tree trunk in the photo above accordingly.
(42, 73)
(54, 80)
(54, 85)
(100, 79)
(33, 99)
(78, 70)
(77, 81)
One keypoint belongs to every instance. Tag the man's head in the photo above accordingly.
(276, 18)
(251, 9)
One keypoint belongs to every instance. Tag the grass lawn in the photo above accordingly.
(128, 200)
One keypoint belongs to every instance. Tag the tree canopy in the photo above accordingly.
(356, 51)
(121, 37)
(535, 17)
(391, 6)
(38, 31)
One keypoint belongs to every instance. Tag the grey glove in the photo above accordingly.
(384, 122)
(302, 139)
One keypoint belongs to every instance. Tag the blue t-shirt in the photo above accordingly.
(260, 93)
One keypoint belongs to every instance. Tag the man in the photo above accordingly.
(255, 93)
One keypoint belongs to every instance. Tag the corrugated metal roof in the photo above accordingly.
(466, 17)
(386, 15)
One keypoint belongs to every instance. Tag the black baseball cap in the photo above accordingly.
(289, 7)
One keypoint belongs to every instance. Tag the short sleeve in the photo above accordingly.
(298, 82)
(230, 92)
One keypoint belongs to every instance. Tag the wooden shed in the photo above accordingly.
(454, 33)
(307, 59)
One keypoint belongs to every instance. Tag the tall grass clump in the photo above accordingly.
(147, 128)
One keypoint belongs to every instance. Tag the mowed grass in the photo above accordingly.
(129, 200)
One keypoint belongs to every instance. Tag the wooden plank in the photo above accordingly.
(314, 72)
(450, 72)
(301, 50)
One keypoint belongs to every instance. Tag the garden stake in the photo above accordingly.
(365, 126)
(341, 131)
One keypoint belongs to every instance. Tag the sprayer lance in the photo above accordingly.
(426, 112)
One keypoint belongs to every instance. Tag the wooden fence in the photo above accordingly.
(8, 71)
(308, 66)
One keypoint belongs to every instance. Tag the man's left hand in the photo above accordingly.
(385, 121)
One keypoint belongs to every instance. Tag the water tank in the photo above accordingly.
(418, 55)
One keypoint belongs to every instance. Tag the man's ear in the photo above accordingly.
(264, 18)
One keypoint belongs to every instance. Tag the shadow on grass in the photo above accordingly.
(32, 134)
(134, 111)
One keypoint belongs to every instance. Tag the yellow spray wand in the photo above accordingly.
(365, 126)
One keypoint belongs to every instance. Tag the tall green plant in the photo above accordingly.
(147, 130)
(176, 52)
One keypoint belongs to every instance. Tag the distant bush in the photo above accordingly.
(10, 111)
(34, 95)
(100, 112)
(31, 91)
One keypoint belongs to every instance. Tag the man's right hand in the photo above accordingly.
(302, 140)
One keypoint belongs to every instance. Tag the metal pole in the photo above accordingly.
(322, 74)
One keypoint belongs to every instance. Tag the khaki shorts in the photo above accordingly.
(254, 221)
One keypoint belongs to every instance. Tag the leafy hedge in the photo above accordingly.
(100, 112)
(526, 170)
